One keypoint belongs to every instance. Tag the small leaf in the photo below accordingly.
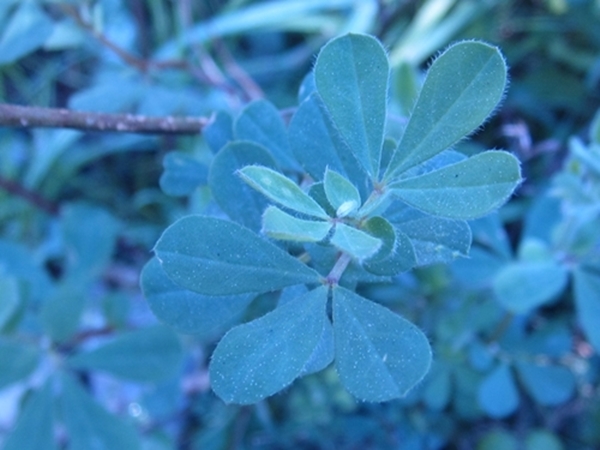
(35, 427)
(378, 354)
(219, 132)
(462, 88)
(401, 259)
(282, 190)
(358, 244)
(187, 311)
(548, 385)
(146, 355)
(498, 395)
(524, 285)
(182, 174)
(341, 194)
(318, 145)
(261, 122)
(280, 225)
(465, 190)
(351, 75)
(587, 298)
(89, 426)
(259, 358)
(216, 257)
(239, 201)
(17, 360)
(381, 229)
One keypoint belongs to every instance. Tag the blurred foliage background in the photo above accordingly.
(85, 364)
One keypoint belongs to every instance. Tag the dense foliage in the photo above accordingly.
(320, 264)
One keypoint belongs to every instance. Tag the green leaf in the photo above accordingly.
(187, 311)
(465, 190)
(90, 235)
(219, 132)
(282, 190)
(35, 427)
(323, 353)
(26, 31)
(280, 225)
(401, 259)
(462, 88)
(434, 239)
(358, 244)
(379, 355)
(11, 298)
(497, 394)
(146, 355)
(381, 229)
(89, 426)
(548, 385)
(524, 285)
(182, 174)
(351, 75)
(17, 360)
(261, 122)
(587, 299)
(341, 194)
(318, 145)
(259, 358)
(239, 201)
(61, 312)
(216, 257)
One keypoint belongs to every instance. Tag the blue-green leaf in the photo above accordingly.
(146, 355)
(323, 353)
(341, 194)
(216, 257)
(524, 285)
(498, 395)
(351, 75)
(259, 358)
(89, 426)
(261, 122)
(35, 428)
(11, 298)
(187, 311)
(548, 385)
(239, 201)
(282, 190)
(219, 132)
(462, 88)
(61, 312)
(438, 391)
(379, 355)
(18, 360)
(318, 145)
(400, 259)
(281, 225)
(465, 190)
(182, 174)
(357, 243)
(587, 298)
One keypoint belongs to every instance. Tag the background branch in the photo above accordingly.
(32, 116)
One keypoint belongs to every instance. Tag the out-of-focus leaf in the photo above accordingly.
(587, 299)
(61, 311)
(280, 225)
(10, 298)
(497, 394)
(182, 174)
(219, 132)
(145, 355)
(357, 243)
(17, 360)
(548, 385)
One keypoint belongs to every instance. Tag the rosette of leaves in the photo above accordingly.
(353, 205)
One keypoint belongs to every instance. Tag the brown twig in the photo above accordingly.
(32, 197)
(33, 116)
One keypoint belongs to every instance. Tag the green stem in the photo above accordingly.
(338, 269)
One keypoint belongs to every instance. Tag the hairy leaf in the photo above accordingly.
(341, 194)
(378, 354)
(216, 257)
(357, 243)
(259, 358)
(281, 225)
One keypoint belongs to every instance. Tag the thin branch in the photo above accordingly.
(32, 197)
(33, 116)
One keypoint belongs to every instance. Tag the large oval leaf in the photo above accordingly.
(465, 190)
(462, 88)
(351, 75)
(216, 257)
(378, 354)
(259, 358)
(187, 311)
